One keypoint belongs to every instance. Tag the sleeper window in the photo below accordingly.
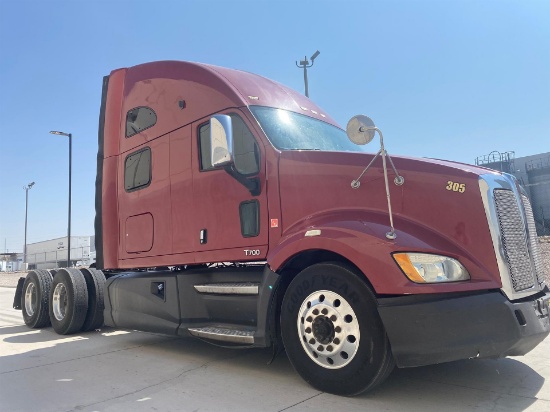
(137, 170)
(139, 119)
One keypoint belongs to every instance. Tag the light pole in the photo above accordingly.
(27, 188)
(305, 64)
(70, 136)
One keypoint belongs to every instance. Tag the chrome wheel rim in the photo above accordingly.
(59, 303)
(30, 299)
(328, 329)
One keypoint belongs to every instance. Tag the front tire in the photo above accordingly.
(68, 301)
(332, 332)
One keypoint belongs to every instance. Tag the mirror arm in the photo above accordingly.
(399, 180)
(253, 185)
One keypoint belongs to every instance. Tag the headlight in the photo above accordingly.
(426, 268)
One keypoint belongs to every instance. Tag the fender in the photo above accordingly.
(360, 238)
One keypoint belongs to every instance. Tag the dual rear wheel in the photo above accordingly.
(71, 300)
(35, 298)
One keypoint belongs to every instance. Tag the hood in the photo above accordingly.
(438, 196)
(325, 179)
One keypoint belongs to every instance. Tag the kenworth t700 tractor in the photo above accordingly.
(232, 209)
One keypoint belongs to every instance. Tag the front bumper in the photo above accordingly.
(425, 330)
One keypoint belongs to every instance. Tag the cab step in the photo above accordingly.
(223, 334)
(233, 288)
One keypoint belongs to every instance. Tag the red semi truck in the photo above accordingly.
(228, 208)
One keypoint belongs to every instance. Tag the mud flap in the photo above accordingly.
(18, 293)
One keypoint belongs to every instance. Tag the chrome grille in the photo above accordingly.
(533, 239)
(514, 239)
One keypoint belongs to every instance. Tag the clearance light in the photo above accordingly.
(426, 268)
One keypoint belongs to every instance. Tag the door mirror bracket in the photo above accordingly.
(253, 184)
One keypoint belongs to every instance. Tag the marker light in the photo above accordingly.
(426, 268)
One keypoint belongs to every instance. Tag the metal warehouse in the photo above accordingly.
(52, 253)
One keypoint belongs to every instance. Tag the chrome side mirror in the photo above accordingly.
(221, 140)
(361, 129)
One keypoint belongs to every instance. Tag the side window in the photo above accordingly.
(139, 119)
(246, 151)
(137, 170)
(249, 212)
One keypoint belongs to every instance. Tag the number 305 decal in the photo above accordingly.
(456, 187)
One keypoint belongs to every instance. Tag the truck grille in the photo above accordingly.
(533, 240)
(514, 239)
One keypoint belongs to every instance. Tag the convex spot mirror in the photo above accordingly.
(360, 129)
(221, 140)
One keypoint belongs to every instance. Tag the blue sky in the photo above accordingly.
(444, 79)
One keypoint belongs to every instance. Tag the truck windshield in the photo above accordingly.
(293, 131)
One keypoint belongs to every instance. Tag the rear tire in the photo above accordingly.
(68, 301)
(95, 282)
(332, 331)
(35, 298)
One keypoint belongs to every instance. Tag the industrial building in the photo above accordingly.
(533, 173)
(52, 253)
(11, 262)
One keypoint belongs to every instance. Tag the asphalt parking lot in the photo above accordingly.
(116, 370)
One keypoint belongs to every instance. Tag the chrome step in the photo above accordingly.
(223, 334)
(235, 288)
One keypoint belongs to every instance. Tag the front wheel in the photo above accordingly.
(332, 332)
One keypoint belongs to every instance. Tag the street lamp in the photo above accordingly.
(70, 136)
(305, 64)
(27, 188)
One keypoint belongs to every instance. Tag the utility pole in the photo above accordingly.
(70, 136)
(305, 64)
(27, 188)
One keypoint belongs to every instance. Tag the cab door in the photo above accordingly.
(230, 221)
(181, 180)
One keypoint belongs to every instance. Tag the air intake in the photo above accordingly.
(514, 239)
(533, 240)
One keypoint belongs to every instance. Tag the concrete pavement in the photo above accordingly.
(114, 370)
